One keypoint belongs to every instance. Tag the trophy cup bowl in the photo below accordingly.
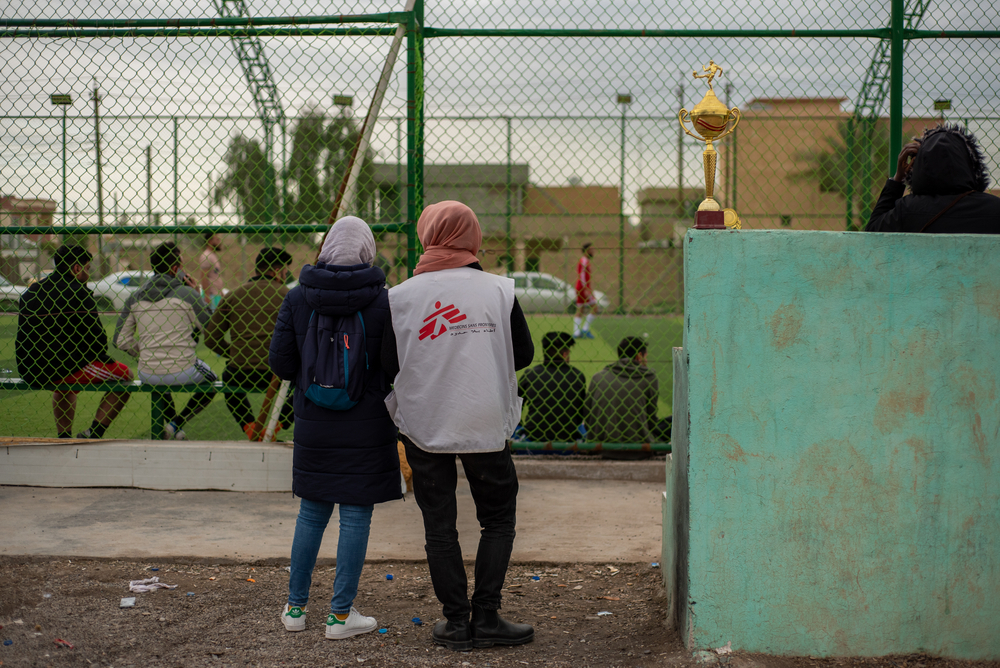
(710, 118)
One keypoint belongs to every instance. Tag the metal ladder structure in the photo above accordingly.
(250, 52)
(867, 108)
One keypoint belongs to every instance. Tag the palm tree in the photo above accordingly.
(830, 165)
(321, 151)
(248, 181)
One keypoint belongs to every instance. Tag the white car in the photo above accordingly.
(9, 294)
(112, 291)
(544, 293)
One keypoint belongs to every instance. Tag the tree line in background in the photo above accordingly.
(320, 153)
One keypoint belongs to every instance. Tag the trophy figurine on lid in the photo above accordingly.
(710, 119)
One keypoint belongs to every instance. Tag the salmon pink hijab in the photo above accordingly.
(451, 237)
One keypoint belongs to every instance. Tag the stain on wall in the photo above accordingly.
(785, 325)
(840, 456)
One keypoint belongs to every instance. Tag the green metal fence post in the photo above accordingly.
(415, 131)
(896, 46)
(621, 223)
(849, 178)
(733, 145)
(865, 145)
(64, 165)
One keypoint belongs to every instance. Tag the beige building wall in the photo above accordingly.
(769, 153)
(23, 257)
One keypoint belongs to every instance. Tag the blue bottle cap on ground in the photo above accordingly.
(383, 630)
(388, 576)
(8, 642)
(416, 620)
(535, 577)
(154, 569)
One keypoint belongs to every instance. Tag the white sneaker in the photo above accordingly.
(355, 624)
(172, 432)
(294, 618)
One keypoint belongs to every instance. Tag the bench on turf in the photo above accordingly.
(157, 392)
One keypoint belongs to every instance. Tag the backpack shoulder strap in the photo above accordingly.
(942, 211)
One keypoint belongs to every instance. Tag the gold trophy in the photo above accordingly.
(710, 119)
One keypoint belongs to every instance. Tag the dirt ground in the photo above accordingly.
(227, 615)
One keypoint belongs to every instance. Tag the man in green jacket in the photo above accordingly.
(248, 314)
(623, 400)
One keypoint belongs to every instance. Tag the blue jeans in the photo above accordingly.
(355, 523)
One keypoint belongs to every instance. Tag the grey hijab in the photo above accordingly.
(350, 241)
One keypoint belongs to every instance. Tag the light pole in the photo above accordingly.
(680, 157)
(942, 106)
(149, 185)
(63, 101)
(507, 247)
(624, 99)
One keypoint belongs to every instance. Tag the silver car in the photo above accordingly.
(112, 291)
(537, 292)
(9, 294)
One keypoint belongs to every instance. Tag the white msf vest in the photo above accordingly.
(456, 390)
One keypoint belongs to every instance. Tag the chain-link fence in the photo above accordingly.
(227, 128)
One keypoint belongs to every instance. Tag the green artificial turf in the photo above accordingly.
(29, 413)
(662, 333)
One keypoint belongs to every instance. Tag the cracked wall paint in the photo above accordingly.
(841, 452)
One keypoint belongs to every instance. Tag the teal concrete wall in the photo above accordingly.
(841, 460)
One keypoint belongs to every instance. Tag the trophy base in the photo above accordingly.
(710, 220)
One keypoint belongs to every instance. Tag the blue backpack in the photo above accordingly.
(338, 370)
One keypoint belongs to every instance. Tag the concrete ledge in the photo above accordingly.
(234, 466)
(172, 465)
(555, 468)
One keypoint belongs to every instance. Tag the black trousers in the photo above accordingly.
(251, 379)
(493, 481)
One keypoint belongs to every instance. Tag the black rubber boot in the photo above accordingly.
(489, 628)
(456, 636)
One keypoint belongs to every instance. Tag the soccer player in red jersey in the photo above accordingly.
(584, 295)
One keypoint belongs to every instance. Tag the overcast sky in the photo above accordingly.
(485, 78)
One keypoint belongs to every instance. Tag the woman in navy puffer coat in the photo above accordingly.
(340, 457)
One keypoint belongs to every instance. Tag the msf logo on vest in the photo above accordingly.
(431, 322)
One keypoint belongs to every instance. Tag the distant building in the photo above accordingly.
(491, 190)
(666, 214)
(770, 152)
(22, 255)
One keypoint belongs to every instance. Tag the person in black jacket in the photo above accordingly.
(60, 340)
(556, 393)
(947, 176)
(340, 457)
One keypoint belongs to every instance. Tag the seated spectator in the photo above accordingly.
(947, 176)
(60, 340)
(622, 400)
(555, 393)
(248, 314)
(159, 326)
